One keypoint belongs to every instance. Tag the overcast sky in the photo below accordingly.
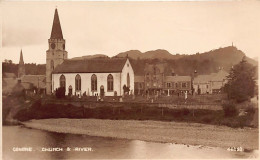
(113, 27)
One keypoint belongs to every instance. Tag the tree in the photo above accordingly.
(241, 81)
(60, 92)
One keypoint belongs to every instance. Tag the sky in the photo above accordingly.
(113, 27)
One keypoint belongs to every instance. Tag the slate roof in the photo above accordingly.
(202, 78)
(35, 80)
(139, 78)
(8, 84)
(178, 78)
(219, 76)
(27, 85)
(91, 66)
(9, 75)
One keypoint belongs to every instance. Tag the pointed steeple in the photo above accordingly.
(56, 32)
(21, 66)
(21, 58)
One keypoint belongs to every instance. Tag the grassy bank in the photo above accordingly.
(134, 112)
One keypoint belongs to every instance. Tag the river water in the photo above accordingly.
(99, 148)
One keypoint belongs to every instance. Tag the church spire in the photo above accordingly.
(21, 62)
(21, 66)
(56, 32)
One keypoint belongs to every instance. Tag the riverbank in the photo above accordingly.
(133, 111)
(155, 131)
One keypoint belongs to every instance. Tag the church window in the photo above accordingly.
(52, 64)
(93, 82)
(110, 81)
(62, 81)
(128, 80)
(78, 82)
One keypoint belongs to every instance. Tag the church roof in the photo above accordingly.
(56, 32)
(91, 66)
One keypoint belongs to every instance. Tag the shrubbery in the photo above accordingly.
(60, 92)
(241, 83)
(230, 109)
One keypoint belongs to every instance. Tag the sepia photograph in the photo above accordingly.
(130, 79)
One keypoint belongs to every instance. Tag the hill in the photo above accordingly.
(203, 63)
(90, 57)
(159, 54)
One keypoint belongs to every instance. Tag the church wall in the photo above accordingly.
(86, 83)
(127, 69)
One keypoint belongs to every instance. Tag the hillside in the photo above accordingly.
(90, 57)
(203, 63)
(159, 54)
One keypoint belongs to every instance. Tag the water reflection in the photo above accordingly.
(105, 148)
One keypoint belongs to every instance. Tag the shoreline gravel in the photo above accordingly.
(154, 131)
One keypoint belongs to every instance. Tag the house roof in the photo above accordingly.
(219, 76)
(139, 78)
(27, 85)
(91, 66)
(35, 80)
(202, 78)
(9, 75)
(178, 78)
(8, 85)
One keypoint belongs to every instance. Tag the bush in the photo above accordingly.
(60, 92)
(230, 109)
(185, 111)
(250, 110)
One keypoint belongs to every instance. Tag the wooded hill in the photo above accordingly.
(203, 63)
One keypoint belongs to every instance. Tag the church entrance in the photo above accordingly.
(102, 91)
(70, 90)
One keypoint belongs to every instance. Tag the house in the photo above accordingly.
(159, 78)
(211, 83)
(93, 77)
(175, 84)
(201, 84)
(154, 75)
(139, 85)
(34, 82)
(9, 75)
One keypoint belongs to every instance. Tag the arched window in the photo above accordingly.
(110, 81)
(52, 65)
(128, 80)
(93, 82)
(78, 82)
(62, 81)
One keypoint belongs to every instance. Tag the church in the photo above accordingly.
(104, 77)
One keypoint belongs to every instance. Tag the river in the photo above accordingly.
(99, 148)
